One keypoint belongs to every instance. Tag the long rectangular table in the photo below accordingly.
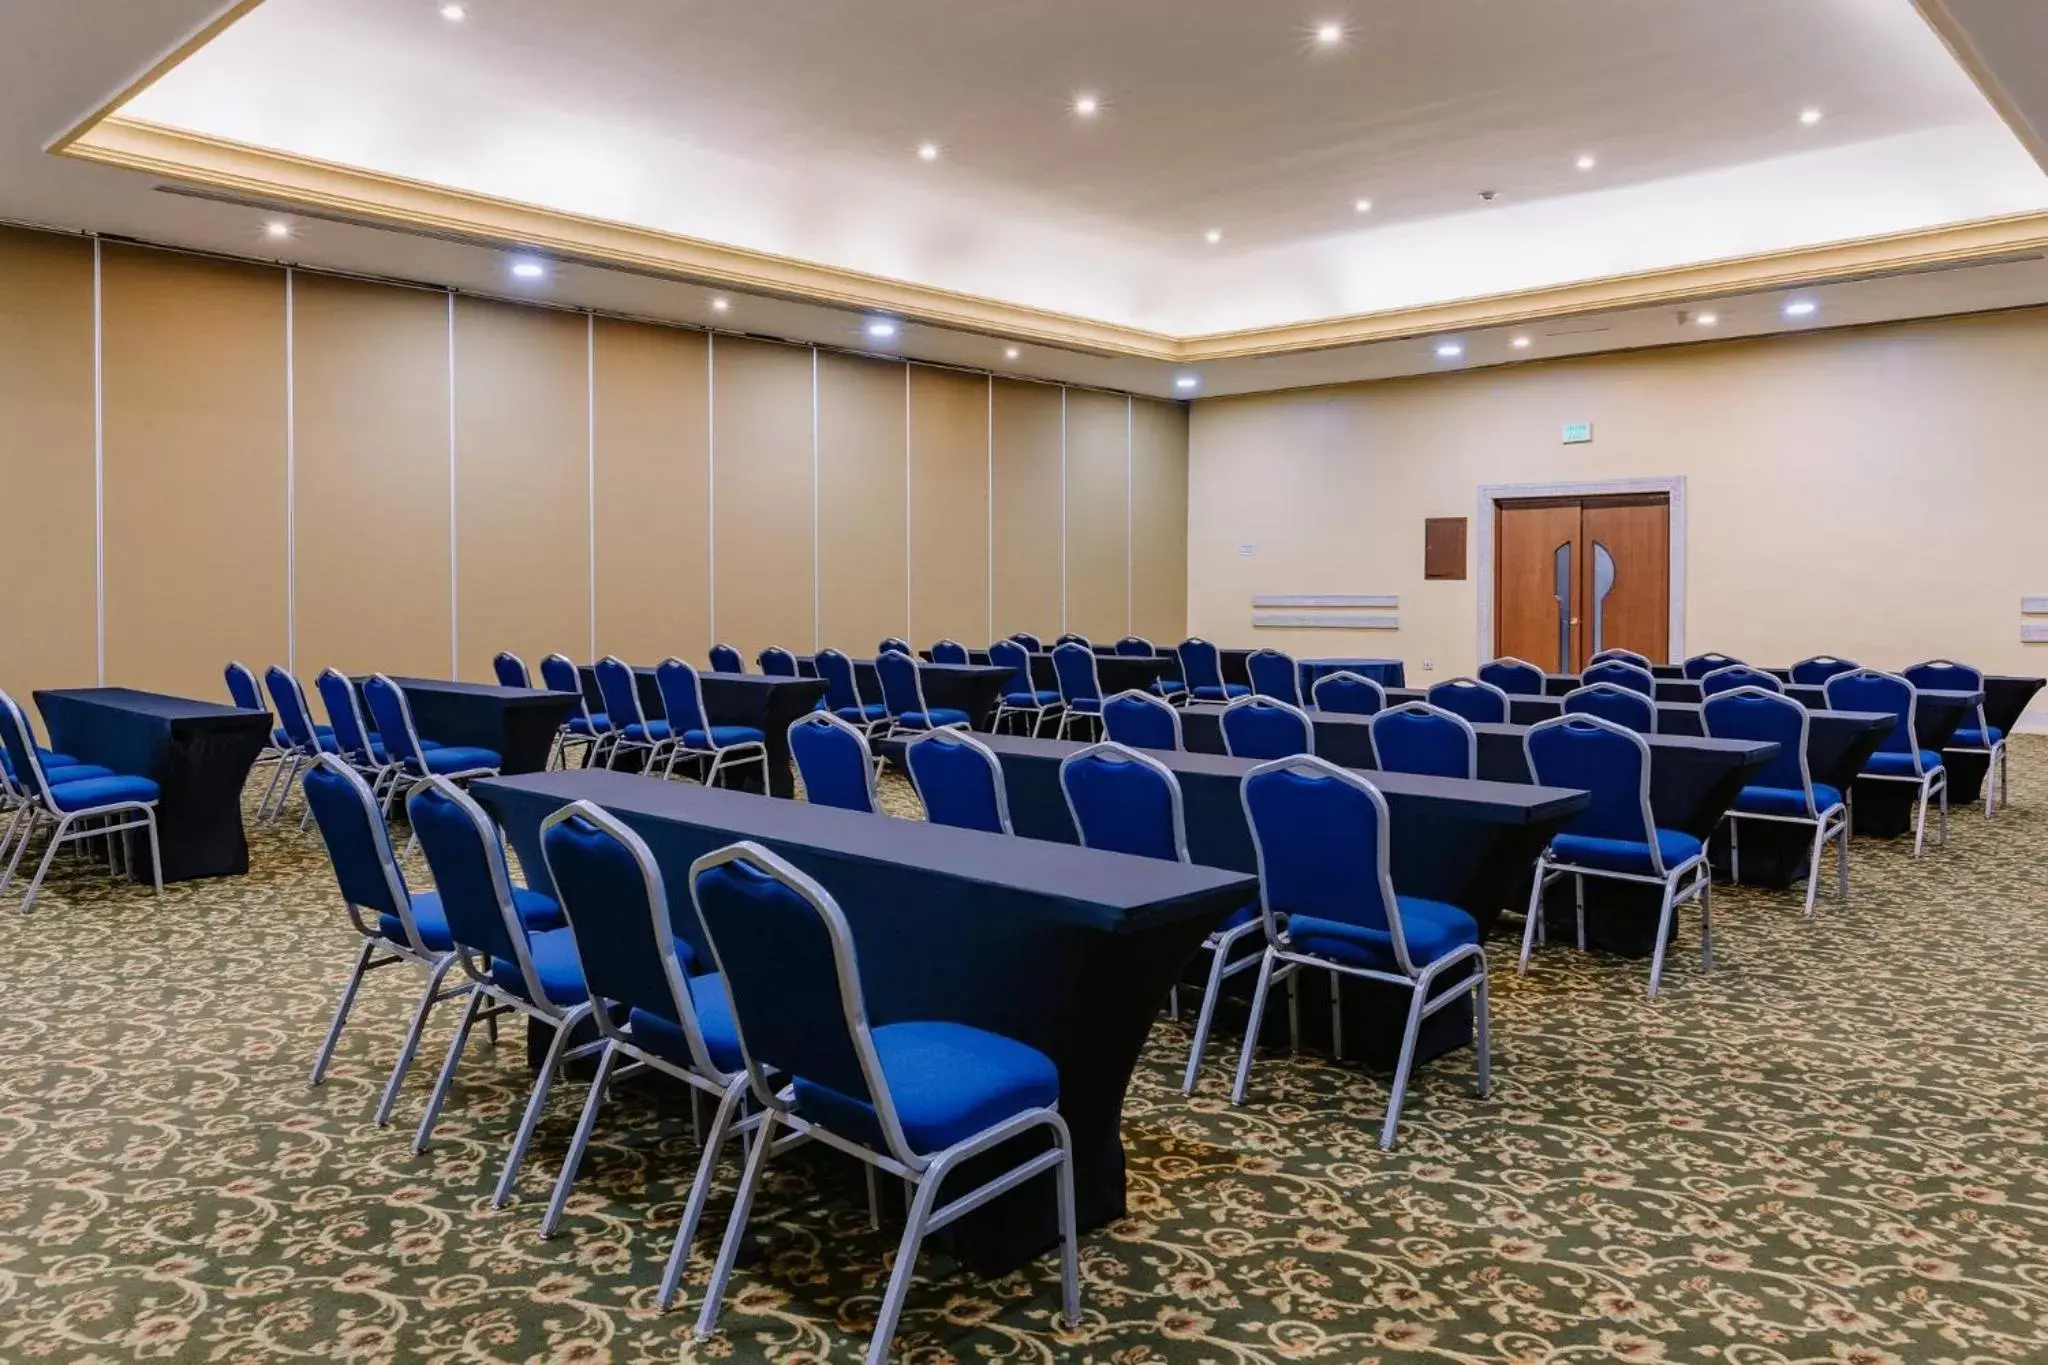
(516, 723)
(760, 701)
(197, 752)
(1067, 949)
(974, 687)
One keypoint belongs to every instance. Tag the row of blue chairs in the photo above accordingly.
(78, 801)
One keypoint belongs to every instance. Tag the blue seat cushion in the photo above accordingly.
(664, 1037)
(861, 715)
(1431, 928)
(49, 758)
(598, 723)
(92, 792)
(1623, 855)
(1167, 687)
(74, 771)
(325, 734)
(937, 718)
(1901, 764)
(653, 729)
(723, 737)
(1243, 915)
(1785, 800)
(1970, 737)
(554, 962)
(537, 912)
(1031, 699)
(949, 1082)
(458, 758)
(1223, 693)
(1086, 706)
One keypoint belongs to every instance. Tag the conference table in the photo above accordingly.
(1067, 949)
(1114, 673)
(197, 752)
(1385, 672)
(516, 723)
(761, 701)
(974, 687)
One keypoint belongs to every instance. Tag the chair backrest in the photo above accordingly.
(20, 743)
(1321, 833)
(392, 714)
(894, 644)
(842, 684)
(1071, 638)
(1426, 740)
(467, 859)
(292, 711)
(1479, 702)
(902, 688)
(1623, 705)
(621, 692)
(682, 697)
(1699, 665)
(510, 670)
(1815, 672)
(1868, 689)
(611, 892)
(1738, 675)
(960, 781)
(242, 687)
(1348, 694)
(1125, 802)
(558, 673)
(833, 759)
(1141, 721)
(1266, 727)
(1516, 677)
(1760, 714)
(726, 659)
(1274, 674)
(949, 652)
(358, 847)
(1610, 763)
(787, 955)
(1073, 663)
(1200, 663)
(1622, 673)
(778, 662)
(1012, 654)
(1627, 656)
(1944, 675)
(345, 714)
(1136, 647)
(1029, 641)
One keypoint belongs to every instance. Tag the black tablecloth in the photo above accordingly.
(1066, 949)
(517, 723)
(2005, 701)
(197, 752)
(1385, 672)
(1674, 687)
(768, 704)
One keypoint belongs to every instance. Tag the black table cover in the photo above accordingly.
(1385, 672)
(1066, 949)
(2005, 701)
(517, 723)
(197, 752)
(768, 704)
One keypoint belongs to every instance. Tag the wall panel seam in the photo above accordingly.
(291, 479)
(454, 564)
(711, 486)
(909, 525)
(1063, 509)
(991, 507)
(99, 474)
(590, 468)
(815, 547)
(1130, 550)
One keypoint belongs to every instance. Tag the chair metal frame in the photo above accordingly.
(869, 759)
(782, 657)
(1709, 662)
(1634, 658)
(1346, 678)
(1689, 880)
(715, 758)
(1148, 699)
(381, 775)
(1260, 701)
(655, 748)
(1607, 668)
(558, 754)
(271, 753)
(867, 727)
(1260, 658)
(1994, 752)
(1929, 782)
(1039, 714)
(37, 803)
(950, 646)
(1423, 708)
(303, 751)
(895, 644)
(923, 708)
(1068, 703)
(1825, 661)
(967, 740)
(923, 1173)
(500, 671)
(1282, 960)
(415, 752)
(1607, 689)
(1829, 824)
(1464, 685)
(1032, 644)
(1172, 691)
(1214, 659)
(1512, 664)
(721, 654)
(1744, 670)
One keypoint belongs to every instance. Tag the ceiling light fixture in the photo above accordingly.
(719, 305)
(1361, 206)
(1706, 319)
(1449, 350)
(881, 329)
(1213, 236)
(1585, 161)
(1800, 308)
(927, 151)
(1329, 33)
(1087, 104)
(454, 14)
(1520, 343)
(1809, 117)
(1011, 353)
(277, 230)
(529, 270)
(1186, 381)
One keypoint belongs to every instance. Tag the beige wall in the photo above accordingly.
(316, 471)
(1874, 493)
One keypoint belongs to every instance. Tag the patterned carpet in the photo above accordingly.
(1831, 1150)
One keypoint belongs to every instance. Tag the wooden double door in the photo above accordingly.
(1576, 575)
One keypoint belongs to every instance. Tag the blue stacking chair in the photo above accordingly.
(1425, 740)
(777, 662)
(1624, 706)
(903, 694)
(1201, 668)
(1139, 720)
(1123, 801)
(1783, 790)
(1071, 638)
(960, 781)
(1327, 902)
(510, 670)
(1899, 757)
(1516, 677)
(81, 802)
(833, 758)
(15, 802)
(1348, 694)
(1738, 675)
(910, 1098)
(1615, 835)
(1275, 675)
(1816, 671)
(244, 693)
(632, 730)
(1138, 647)
(726, 659)
(1073, 664)
(1479, 702)
(1946, 675)
(1699, 665)
(354, 741)
(393, 715)
(592, 729)
(304, 739)
(516, 955)
(1029, 641)
(1020, 696)
(949, 652)
(842, 693)
(715, 748)
(1622, 673)
(657, 1015)
(895, 644)
(1626, 656)
(1266, 727)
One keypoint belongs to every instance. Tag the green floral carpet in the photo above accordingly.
(1829, 1150)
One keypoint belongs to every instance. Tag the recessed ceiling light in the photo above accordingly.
(1329, 33)
(1585, 161)
(529, 270)
(1011, 353)
(1520, 343)
(277, 229)
(454, 14)
(881, 328)
(1809, 117)
(1706, 319)
(1361, 206)
(1186, 381)
(719, 305)
(1449, 350)
(1213, 236)
(1087, 104)
(1800, 308)
(927, 151)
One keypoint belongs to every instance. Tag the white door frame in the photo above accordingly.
(1672, 485)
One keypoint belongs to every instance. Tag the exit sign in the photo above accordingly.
(1577, 433)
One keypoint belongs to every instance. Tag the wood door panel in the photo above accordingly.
(1635, 613)
(1526, 620)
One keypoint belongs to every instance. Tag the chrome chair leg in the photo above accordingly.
(1405, 1066)
(412, 1038)
(593, 1102)
(700, 1192)
(736, 1224)
(1664, 915)
(537, 1102)
(1251, 1028)
(348, 999)
(445, 1081)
